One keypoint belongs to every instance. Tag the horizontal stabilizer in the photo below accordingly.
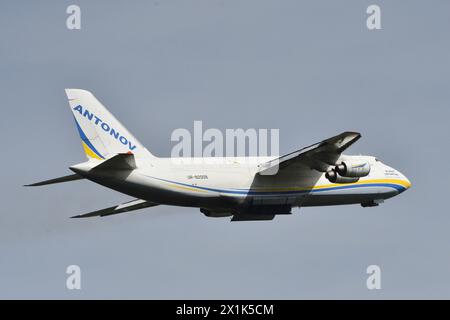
(71, 177)
(121, 161)
(124, 207)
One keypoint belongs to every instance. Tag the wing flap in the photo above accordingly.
(124, 207)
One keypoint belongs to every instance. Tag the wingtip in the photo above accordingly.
(83, 216)
(353, 132)
(31, 185)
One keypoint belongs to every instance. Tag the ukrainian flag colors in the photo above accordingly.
(396, 184)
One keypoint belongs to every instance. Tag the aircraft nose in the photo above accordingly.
(405, 183)
(401, 182)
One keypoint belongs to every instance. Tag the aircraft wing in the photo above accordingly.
(318, 156)
(124, 207)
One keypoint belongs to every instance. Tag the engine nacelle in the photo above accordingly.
(348, 169)
(335, 177)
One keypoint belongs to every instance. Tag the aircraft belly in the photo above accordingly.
(348, 196)
(277, 200)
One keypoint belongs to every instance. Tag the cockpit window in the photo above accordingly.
(377, 160)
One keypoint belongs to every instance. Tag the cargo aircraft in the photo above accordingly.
(260, 189)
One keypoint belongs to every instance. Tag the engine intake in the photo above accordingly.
(348, 169)
(335, 177)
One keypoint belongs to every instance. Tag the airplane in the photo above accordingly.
(317, 175)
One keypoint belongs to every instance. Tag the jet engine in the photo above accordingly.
(348, 169)
(335, 177)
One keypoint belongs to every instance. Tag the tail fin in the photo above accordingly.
(102, 135)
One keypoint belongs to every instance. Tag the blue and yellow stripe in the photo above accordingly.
(88, 147)
(396, 184)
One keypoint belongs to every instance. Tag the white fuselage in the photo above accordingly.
(222, 184)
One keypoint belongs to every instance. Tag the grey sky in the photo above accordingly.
(309, 68)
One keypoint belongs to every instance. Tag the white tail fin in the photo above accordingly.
(102, 135)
